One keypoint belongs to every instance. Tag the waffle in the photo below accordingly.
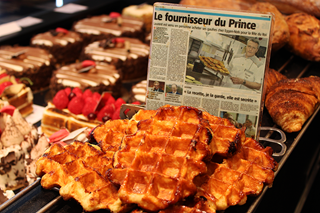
(77, 169)
(162, 157)
(243, 174)
(174, 159)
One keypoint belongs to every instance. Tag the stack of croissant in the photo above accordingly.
(290, 102)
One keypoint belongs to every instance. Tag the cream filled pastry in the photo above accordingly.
(18, 137)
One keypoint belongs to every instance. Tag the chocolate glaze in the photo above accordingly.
(34, 63)
(102, 77)
(133, 63)
(57, 38)
(65, 47)
(102, 27)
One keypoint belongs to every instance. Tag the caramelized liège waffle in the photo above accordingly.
(77, 169)
(158, 157)
(245, 173)
(163, 160)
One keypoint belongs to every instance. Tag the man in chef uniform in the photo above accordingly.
(246, 70)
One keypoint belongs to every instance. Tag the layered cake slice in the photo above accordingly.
(128, 54)
(64, 45)
(96, 76)
(29, 62)
(74, 109)
(108, 26)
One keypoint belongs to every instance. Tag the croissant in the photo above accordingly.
(271, 77)
(304, 29)
(290, 102)
(281, 32)
(296, 6)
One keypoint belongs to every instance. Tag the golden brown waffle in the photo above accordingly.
(162, 157)
(243, 174)
(162, 160)
(77, 169)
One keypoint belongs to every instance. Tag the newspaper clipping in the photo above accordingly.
(209, 59)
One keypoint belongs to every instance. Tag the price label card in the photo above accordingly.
(28, 21)
(71, 8)
(9, 28)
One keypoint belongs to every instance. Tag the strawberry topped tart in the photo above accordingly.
(73, 109)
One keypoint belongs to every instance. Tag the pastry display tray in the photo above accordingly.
(36, 199)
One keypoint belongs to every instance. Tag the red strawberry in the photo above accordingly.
(119, 102)
(89, 106)
(87, 63)
(96, 96)
(87, 93)
(118, 40)
(77, 90)
(136, 102)
(59, 135)
(76, 105)
(114, 15)
(8, 109)
(61, 100)
(110, 100)
(116, 114)
(3, 75)
(4, 85)
(105, 97)
(67, 90)
(62, 30)
(107, 110)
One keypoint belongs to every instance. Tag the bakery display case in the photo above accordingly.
(296, 153)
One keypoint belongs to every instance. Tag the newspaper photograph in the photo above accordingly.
(210, 59)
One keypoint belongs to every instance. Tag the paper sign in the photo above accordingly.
(28, 21)
(70, 8)
(209, 59)
(9, 28)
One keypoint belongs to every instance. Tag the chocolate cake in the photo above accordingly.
(64, 45)
(28, 62)
(109, 26)
(96, 76)
(128, 54)
(138, 92)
